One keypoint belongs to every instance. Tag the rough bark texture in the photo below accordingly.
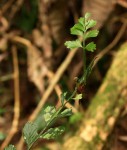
(104, 109)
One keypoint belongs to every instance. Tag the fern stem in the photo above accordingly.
(84, 55)
(84, 60)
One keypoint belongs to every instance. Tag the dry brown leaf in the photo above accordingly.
(123, 138)
(44, 33)
(3, 24)
(36, 67)
(57, 17)
(42, 41)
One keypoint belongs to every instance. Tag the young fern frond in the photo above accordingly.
(83, 30)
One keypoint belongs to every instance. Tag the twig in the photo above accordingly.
(15, 8)
(15, 122)
(23, 41)
(6, 6)
(112, 44)
(4, 24)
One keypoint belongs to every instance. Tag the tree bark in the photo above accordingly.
(104, 109)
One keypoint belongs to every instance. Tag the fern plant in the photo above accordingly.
(83, 30)
(31, 132)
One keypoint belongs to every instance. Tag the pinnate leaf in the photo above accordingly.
(10, 147)
(81, 20)
(63, 97)
(91, 47)
(53, 133)
(73, 44)
(77, 29)
(48, 113)
(91, 23)
(78, 97)
(66, 112)
(87, 15)
(79, 26)
(92, 33)
(30, 133)
(50, 109)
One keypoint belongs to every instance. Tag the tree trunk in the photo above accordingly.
(104, 109)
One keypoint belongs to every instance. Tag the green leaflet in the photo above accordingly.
(73, 44)
(78, 97)
(82, 21)
(63, 97)
(53, 133)
(90, 24)
(90, 34)
(48, 113)
(87, 15)
(91, 47)
(77, 29)
(66, 112)
(30, 134)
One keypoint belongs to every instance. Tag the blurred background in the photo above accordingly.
(32, 37)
